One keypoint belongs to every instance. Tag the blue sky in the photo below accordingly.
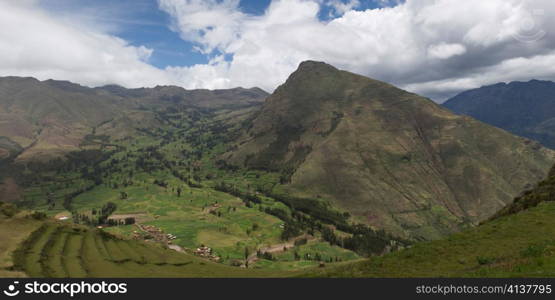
(141, 22)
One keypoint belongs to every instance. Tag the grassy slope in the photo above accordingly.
(519, 245)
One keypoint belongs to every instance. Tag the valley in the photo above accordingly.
(169, 178)
(332, 173)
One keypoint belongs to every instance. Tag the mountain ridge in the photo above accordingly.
(46, 119)
(523, 108)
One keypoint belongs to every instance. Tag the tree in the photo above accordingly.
(247, 254)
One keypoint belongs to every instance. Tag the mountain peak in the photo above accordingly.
(311, 66)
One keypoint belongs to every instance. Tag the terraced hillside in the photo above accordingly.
(57, 250)
(14, 229)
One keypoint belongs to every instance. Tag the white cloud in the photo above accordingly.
(33, 43)
(212, 23)
(433, 47)
(417, 44)
(445, 51)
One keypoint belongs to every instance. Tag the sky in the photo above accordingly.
(435, 48)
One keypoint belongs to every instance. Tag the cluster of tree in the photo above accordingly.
(362, 239)
(102, 217)
(265, 255)
(247, 198)
(160, 183)
(223, 165)
(105, 212)
(37, 215)
(8, 209)
(316, 208)
(316, 257)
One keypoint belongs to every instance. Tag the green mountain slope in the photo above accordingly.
(523, 108)
(391, 158)
(517, 243)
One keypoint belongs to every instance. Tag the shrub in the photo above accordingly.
(484, 260)
(9, 210)
(533, 251)
(37, 215)
(300, 242)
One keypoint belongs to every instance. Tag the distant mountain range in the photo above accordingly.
(45, 119)
(391, 158)
(524, 108)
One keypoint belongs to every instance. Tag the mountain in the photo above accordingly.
(516, 243)
(390, 158)
(45, 119)
(524, 108)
